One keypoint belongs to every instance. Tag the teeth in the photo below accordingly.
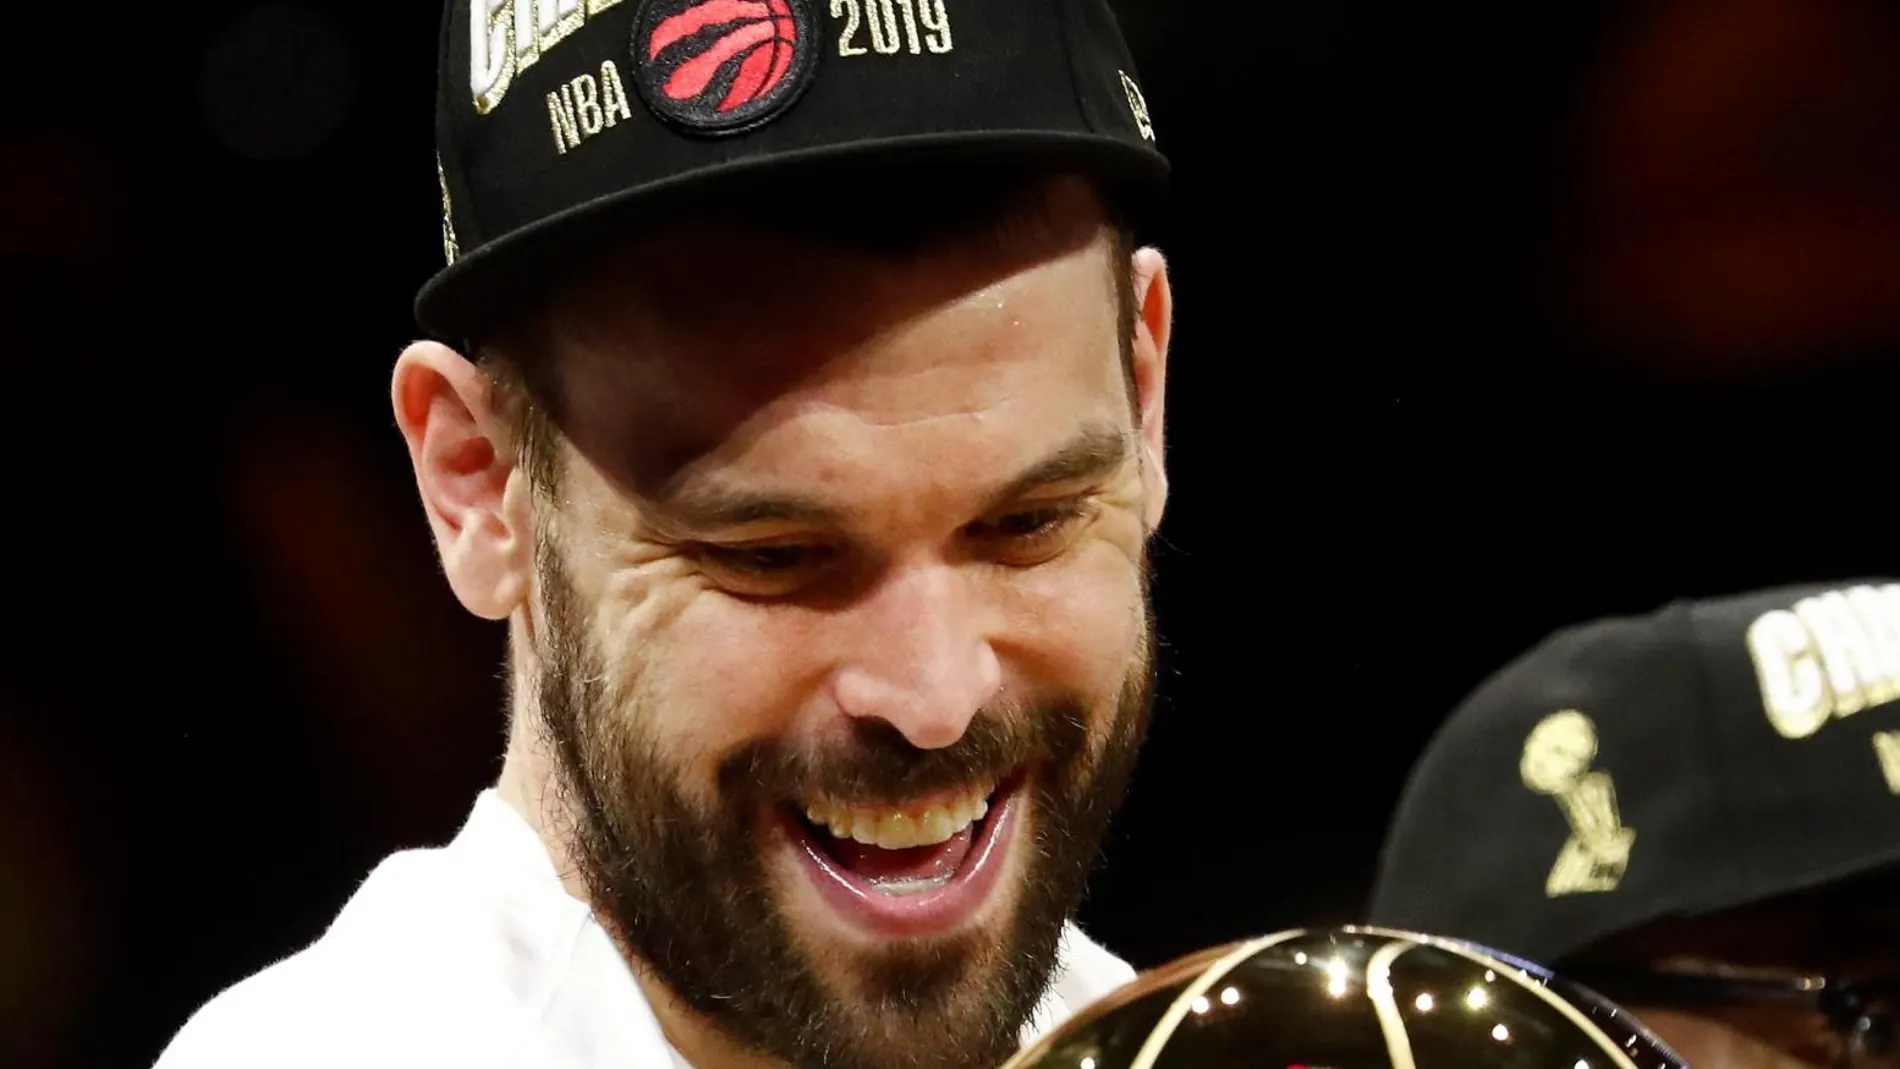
(916, 886)
(896, 829)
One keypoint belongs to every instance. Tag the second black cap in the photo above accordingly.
(1707, 755)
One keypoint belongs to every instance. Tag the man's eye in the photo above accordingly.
(766, 570)
(1031, 536)
(775, 562)
(1029, 523)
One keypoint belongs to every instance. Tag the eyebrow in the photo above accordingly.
(1095, 452)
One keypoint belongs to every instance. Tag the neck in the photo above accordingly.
(526, 777)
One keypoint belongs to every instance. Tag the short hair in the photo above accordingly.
(963, 207)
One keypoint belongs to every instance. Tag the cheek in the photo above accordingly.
(1079, 625)
(708, 674)
(714, 673)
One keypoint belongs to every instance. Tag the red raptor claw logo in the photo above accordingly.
(722, 66)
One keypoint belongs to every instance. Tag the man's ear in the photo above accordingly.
(474, 496)
(1154, 320)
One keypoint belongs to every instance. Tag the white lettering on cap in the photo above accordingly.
(505, 37)
(1828, 656)
(490, 52)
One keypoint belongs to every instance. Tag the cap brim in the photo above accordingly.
(466, 299)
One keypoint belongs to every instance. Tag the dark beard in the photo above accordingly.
(687, 892)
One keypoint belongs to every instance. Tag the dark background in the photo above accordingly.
(1491, 318)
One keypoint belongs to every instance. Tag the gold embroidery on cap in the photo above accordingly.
(1887, 750)
(585, 106)
(506, 37)
(1827, 657)
(1138, 105)
(915, 25)
(450, 249)
(1556, 762)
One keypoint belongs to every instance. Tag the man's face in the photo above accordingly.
(843, 637)
(1780, 1031)
(1748, 1010)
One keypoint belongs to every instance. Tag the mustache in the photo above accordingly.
(875, 762)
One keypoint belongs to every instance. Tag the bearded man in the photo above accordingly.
(793, 393)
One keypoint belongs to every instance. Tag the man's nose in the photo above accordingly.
(919, 657)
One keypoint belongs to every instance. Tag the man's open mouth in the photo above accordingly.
(901, 850)
(908, 868)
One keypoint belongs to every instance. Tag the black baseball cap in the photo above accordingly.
(1707, 755)
(560, 123)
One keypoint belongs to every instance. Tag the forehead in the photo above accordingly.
(726, 341)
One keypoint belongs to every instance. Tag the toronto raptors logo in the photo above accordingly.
(722, 66)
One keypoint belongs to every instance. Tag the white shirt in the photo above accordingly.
(474, 956)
